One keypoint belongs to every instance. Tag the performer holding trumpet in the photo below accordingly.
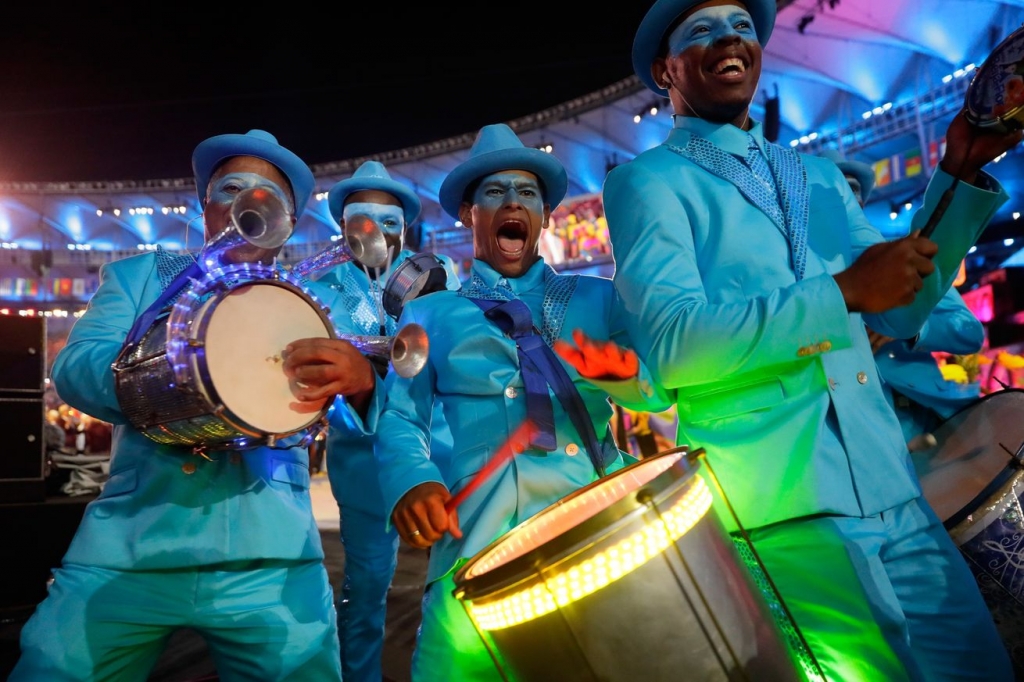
(371, 549)
(221, 540)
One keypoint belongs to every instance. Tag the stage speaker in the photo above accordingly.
(23, 459)
(22, 353)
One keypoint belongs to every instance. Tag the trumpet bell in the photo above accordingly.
(407, 350)
(410, 350)
(362, 240)
(260, 224)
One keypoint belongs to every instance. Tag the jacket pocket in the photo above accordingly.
(734, 400)
(293, 473)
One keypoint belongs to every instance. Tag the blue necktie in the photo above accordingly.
(540, 368)
(759, 167)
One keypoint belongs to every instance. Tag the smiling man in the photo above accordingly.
(749, 271)
(489, 369)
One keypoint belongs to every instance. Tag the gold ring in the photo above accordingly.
(415, 532)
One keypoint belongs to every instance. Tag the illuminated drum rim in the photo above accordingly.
(986, 101)
(221, 281)
(584, 542)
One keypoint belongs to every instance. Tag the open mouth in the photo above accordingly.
(730, 67)
(511, 238)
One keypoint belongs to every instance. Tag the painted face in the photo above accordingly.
(382, 208)
(857, 189)
(713, 63)
(507, 215)
(235, 175)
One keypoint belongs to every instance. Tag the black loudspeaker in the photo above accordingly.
(22, 353)
(23, 459)
(22, 366)
(772, 117)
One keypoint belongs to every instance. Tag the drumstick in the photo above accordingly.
(517, 442)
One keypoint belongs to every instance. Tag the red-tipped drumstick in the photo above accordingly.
(517, 442)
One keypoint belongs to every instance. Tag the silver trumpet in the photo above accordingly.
(407, 350)
(260, 224)
(362, 240)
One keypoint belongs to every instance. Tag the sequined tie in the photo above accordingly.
(759, 167)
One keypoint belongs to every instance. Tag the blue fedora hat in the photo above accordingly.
(260, 144)
(663, 14)
(373, 175)
(498, 148)
(864, 173)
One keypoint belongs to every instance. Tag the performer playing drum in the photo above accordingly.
(223, 542)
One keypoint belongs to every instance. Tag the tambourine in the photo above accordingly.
(995, 96)
(418, 275)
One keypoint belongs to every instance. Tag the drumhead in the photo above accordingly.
(570, 512)
(972, 454)
(245, 337)
(995, 97)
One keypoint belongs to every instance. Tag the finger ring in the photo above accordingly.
(415, 532)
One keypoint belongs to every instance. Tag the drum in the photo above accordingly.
(632, 577)
(418, 275)
(974, 480)
(211, 373)
(995, 96)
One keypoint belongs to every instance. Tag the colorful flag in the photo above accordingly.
(913, 163)
(882, 176)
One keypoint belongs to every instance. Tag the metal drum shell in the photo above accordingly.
(691, 607)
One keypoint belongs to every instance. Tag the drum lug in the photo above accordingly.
(196, 343)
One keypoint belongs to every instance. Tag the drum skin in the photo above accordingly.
(690, 607)
(229, 355)
(974, 480)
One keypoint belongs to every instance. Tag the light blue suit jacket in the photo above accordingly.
(473, 371)
(351, 466)
(774, 377)
(908, 366)
(162, 506)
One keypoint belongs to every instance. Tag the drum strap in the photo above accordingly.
(541, 368)
(144, 321)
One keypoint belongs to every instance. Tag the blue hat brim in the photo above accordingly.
(664, 13)
(210, 152)
(864, 173)
(411, 205)
(543, 165)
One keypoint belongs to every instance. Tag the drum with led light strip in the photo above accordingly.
(632, 577)
(211, 374)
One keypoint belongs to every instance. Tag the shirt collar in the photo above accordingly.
(531, 279)
(725, 136)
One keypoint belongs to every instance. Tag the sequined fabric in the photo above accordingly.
(558, 289)
(778, 186)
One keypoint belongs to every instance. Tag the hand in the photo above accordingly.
(969, 148)
(323, 368)
(420, 517)
(887, 275)
(877, 340)
(601, 360)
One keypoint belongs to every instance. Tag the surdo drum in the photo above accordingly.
(632, 577)
(974, 480)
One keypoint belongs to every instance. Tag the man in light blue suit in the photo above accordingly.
(749, 271)
(222, 541)
(489, 372)
(921, 396)
(371, 548)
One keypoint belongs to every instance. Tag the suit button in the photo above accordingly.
(571, 449)
(862, 377)
(825, 346)
(188, 468)
(832, 383)
(511, 392)
(802, 351)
